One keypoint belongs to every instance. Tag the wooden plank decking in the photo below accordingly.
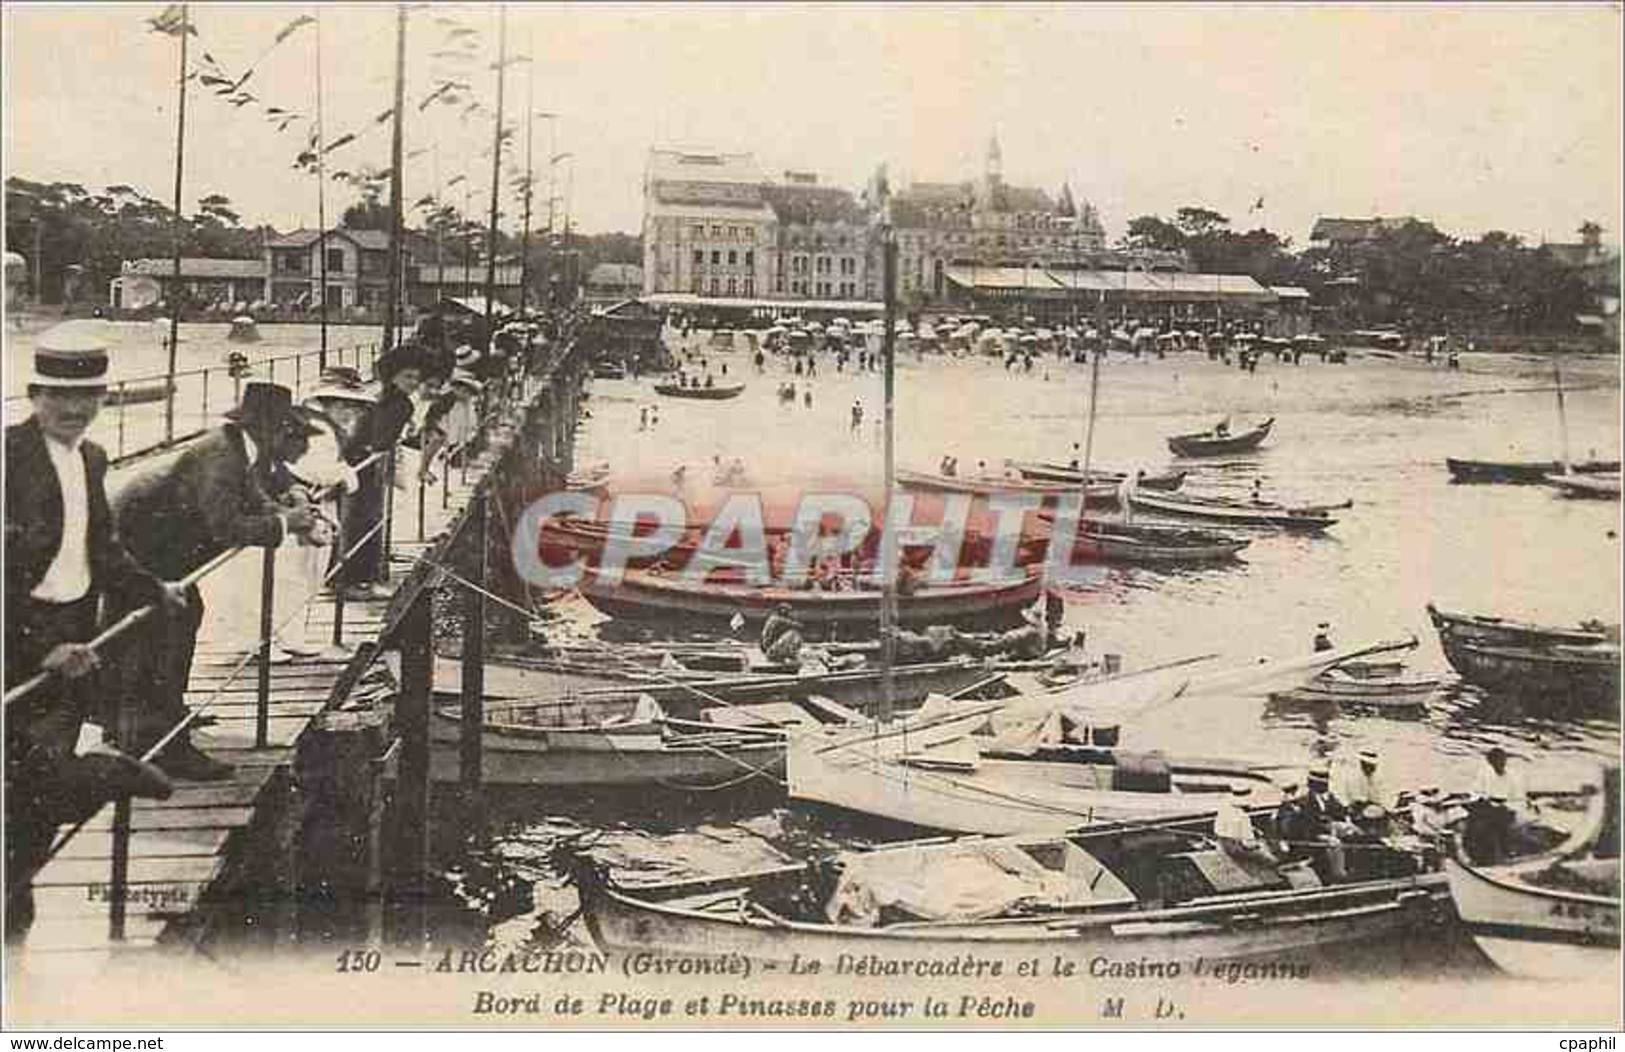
(180, 848)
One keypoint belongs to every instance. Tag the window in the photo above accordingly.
(714, 286)
(750, 234)
(733, 287)
(778, 286)
(750, 257)
(733, 257)
(698, 231)
(716, 230)
(750, 286)
(699, 285)
(335, 261)
(699, 257)
(716, 257)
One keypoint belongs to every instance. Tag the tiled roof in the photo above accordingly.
(371, 240)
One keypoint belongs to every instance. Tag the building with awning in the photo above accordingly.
(1055, 294)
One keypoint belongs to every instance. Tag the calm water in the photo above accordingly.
(1374, 430)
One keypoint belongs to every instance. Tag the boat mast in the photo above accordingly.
(175, 286)
(530, 136)
(1089, 437)
(1562, 418)
(888, 556)
(496, 173)
(394, 283)
(321, 194)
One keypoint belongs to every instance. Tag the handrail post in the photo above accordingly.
(118, 877)
(411, 819)
(423, 504)
(473, 700)
(262, 702)
(384, 535)
(123, 409)
(205, 396)
(445, 480)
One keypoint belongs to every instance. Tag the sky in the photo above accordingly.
(1476, 117)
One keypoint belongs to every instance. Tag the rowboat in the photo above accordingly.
(709, 394)
(1482, 628)
(650, 594)
(1046, 471)
(1553, 916)
(1308, 518)
(1531, 472)
(1559, 677)
(985, 485)
(1211, 443)
(1603, 485)
(1159, 892)
(1116, 542)
(1040, 763)
(697, 734)
(1386, 692)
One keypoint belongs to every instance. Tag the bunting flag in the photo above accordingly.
(293, 27)
(172, 22)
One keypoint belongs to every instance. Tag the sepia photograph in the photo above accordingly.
(693, 516)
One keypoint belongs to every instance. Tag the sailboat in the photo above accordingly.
(1538, 471)
(1597, 485)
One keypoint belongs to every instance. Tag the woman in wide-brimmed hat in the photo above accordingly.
(400, 373)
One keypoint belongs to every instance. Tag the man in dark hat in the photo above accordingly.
(63, 555)
(216, 495)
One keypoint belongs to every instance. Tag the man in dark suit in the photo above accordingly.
(63, 555)
(216, 495)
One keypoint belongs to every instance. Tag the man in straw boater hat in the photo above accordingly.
(215, 496)
(63, 556)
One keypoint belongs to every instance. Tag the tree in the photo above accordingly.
(1199, 222)
(1154, 232)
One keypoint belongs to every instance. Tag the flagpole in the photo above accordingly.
(530, 137)
(395, 180)
(321, 194)
(175, 286)
(496, 172)
(890, 554)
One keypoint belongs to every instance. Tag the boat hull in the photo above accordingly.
(1503, 631)
(1518, 472)
(1601, 486)
(646, 596)
(1554, 678)
(1533, 932)
(1207, 444)
(703, 394)
(1116, 543)
(1293, 520)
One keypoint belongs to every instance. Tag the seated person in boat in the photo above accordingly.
(1258, 492)
(781, 637)
(1222, 428)
(1323, 637)
(1429, 824)
(1323, 827)
(1362, 785)
(1498, 812)
(946, 468)
(1234, 830)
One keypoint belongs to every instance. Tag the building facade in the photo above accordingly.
(357, 269)
(986, 223)
(822, 247)
(706, 228)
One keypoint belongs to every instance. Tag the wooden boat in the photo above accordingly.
(1603, 485)
(1135, 893)
(648, 594)
(985, 485)
(1047, 471)
(626, 739)
(709, 394)
(1530, 472)
(1308, 518)
(1553, 916)
(1026, 765)
(1387, 691)
(1559, 677)
(1482, 628)
(137, 393)
(1116, 542)
(1210, 443)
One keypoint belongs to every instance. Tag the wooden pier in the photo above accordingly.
(214, 862)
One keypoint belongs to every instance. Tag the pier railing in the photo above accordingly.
(132, 422)
(509, 432)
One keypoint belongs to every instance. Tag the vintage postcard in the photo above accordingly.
(812, 516)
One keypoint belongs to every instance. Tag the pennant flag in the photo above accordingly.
(172, 22)
(384, 116)
(293, 27)
(342, 140)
